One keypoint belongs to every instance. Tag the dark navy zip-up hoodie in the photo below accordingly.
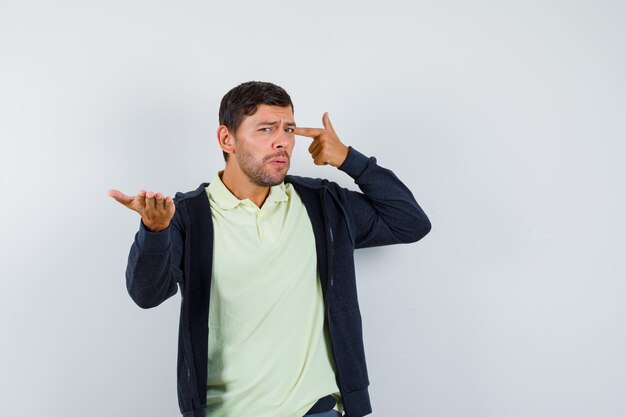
(384, 213)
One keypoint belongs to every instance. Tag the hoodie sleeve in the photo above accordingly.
(385, 211)
(155, 264)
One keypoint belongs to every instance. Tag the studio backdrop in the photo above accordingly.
(505, 119)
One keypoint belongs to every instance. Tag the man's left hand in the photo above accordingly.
(326, 148)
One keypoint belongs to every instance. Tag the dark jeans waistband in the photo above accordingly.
(329, 413)
(322, 406)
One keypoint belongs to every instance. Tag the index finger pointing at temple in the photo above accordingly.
(311, 132)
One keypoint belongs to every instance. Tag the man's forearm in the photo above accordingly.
(386, 212)
(150, 273)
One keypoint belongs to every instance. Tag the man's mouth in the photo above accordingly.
(280, 160)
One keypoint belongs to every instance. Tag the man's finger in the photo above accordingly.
(158, 201)
(120, 197)
(326, 122)
(150, 200)
(311, 132)
(314, 145)
(163, 202)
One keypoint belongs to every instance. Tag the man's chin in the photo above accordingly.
(278, 180)
(279, 176)
(271, 181)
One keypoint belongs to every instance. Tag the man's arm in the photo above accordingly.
(386, 211)
(154, 262)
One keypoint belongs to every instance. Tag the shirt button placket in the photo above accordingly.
(262, 226)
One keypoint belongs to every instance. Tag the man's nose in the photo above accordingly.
(282, 138)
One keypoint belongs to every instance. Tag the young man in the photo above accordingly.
(270, 323)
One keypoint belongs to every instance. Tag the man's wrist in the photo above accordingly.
(355, 163)
(153, 242)
(154, 228)
(343, 155)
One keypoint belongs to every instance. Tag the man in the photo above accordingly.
(269, 323)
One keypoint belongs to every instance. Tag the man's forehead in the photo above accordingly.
(272, 113)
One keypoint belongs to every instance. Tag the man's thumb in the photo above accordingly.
(326, 122)
(120, 197)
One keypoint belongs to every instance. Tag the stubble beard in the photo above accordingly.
(257, 170)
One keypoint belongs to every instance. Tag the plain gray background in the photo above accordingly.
(506, 119)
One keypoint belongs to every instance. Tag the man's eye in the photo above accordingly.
(290, 130)
(265, 129)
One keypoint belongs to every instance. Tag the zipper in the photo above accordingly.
(328, 294)
(191, 379)
(188, 376)
(187, 351)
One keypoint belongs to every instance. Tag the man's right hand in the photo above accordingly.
(155, 210)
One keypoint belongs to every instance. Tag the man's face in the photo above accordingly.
(263, 144)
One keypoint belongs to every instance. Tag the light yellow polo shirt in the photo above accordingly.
(268, 350)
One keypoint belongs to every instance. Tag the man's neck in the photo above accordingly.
(242, 187)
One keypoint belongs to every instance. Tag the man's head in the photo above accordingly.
(244, 100)
(256, 131)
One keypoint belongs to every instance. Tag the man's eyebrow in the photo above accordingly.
(273, 123)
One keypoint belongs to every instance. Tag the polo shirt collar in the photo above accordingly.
(226, 200)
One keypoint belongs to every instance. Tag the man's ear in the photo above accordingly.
(225, 139)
